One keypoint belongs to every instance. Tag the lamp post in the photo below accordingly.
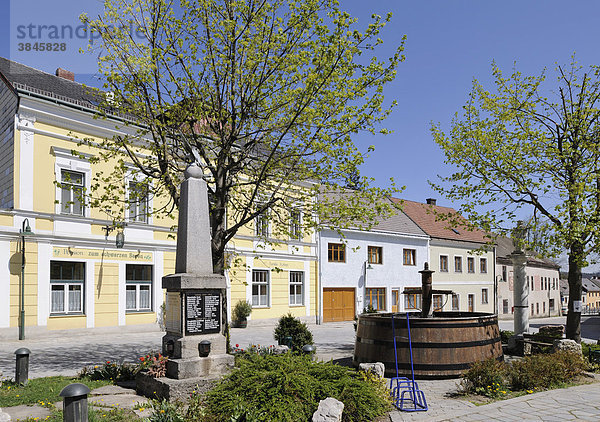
(25, 231)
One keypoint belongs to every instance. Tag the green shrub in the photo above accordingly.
(289, 387)
(369, 310)
(288, 326)
(487, 378)
(110, 371)
(545, 371)
(593, 364)
(241, 310)
(505, 335)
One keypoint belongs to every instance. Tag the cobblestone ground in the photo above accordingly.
(66, 356)
(575, 403)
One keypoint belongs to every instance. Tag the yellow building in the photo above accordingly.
(275, 277)
(75, 276)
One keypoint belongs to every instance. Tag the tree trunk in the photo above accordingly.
(574, 318)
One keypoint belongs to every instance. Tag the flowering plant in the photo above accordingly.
(156, 364)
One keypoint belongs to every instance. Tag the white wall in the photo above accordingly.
(390, 274)
(539, 297)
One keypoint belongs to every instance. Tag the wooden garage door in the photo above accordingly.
(338, 305)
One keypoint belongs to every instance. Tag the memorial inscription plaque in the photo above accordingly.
(202, 312)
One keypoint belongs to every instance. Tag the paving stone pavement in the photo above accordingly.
(52, 356)
(580, 403)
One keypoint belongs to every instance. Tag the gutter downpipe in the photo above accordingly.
(319, 284)
(496, 304)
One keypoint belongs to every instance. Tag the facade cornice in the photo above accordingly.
(381, 233)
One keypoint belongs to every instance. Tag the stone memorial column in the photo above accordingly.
(520, 293)
(196, 297)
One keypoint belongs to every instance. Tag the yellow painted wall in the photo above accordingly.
(66, 322)
(237, 280)
(6, 220)
(314, 288)
(44, 187)
(279, 285)
(169, 263)
(242, 243)
(31, 283)
(140, 318)
(168, 236)
(106, 294)
(44, 224)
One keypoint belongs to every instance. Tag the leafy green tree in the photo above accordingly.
(269, 93)
(526, 147)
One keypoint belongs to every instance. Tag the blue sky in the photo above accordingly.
(449, 43)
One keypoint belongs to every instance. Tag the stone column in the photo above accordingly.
(520, 293)
(196, 297)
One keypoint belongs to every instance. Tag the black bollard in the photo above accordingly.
(22, 365)
(308, 349)
(75, 404)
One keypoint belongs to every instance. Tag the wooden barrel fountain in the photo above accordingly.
(444, 346)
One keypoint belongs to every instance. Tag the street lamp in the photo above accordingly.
(119, 238)
(25, 231)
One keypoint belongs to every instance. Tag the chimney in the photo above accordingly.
(65, 74)
(431, 201)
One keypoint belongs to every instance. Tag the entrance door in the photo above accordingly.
(395, 300)
(471, 303)
(338, 304)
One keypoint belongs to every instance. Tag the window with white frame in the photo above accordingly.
(67, 281)
(296, 288)
(484, 296)
(138, 201)
(138, 288)
(72, 185)
(444, 263)
(409, 256)
(295, 224)
(458, 264)
(412, 301)
(260, 288)
(261, 223)
(470, 264)
(73, 175)
(455, 302)
(483, 265)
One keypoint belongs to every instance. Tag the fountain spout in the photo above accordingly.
(426, 310)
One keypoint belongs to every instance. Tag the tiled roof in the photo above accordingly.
(424, 215)
(34, 80)
(504, 247)
(398, 223)
(588, 285)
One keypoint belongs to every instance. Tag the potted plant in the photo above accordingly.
(241, 312)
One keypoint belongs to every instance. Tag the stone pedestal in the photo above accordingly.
(195, 313)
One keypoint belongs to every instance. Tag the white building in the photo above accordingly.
(370, 267)
(542, 278)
